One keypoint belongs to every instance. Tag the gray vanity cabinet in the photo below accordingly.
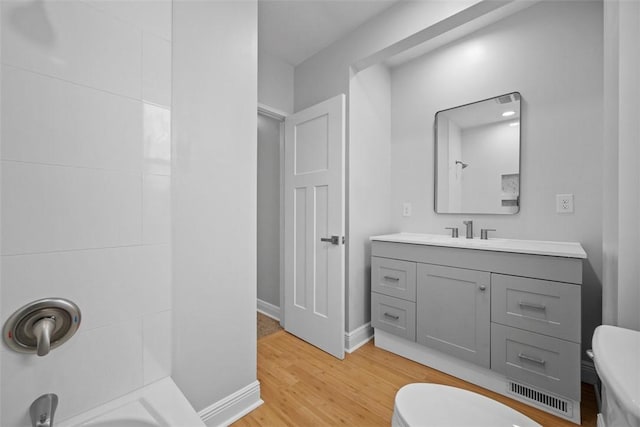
(455, 312)
(393, 296)
(515, 314)
(503, 314)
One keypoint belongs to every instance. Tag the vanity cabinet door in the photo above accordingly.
(453, 312)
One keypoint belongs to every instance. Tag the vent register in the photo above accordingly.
(546, 399)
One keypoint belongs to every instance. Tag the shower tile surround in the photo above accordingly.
(86, 164)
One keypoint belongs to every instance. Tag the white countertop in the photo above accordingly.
(536, 247)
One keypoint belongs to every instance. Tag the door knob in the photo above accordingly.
(334, 240)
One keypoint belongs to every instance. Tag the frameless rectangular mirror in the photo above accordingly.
(477, 157)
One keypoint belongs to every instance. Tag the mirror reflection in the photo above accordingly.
(477, 157)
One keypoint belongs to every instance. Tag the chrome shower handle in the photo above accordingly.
(43, 330)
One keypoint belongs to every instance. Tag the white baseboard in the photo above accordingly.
(233, 407)
(358, 337)
(588, 372)
(269, 309)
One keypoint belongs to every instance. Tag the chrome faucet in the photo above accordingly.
(469, 225)
(42, 410)
(484, 233)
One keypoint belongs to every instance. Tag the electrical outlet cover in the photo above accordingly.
(406, 209)
(564, 203)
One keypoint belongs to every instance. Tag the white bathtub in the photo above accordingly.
(160, 404)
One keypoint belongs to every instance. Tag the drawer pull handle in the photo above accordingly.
(532, 305)
(391, 316)
(393, 279)
(532, 359)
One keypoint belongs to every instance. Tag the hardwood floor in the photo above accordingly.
(303, 386)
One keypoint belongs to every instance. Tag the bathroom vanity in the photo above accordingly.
(504, 314)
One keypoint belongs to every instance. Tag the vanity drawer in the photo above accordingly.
(549, 363)
(393, 315)
(542, 306)
(394, 278)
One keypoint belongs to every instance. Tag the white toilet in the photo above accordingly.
(617, 358)
(444, 406)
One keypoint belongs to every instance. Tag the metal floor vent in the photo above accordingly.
(563, 406)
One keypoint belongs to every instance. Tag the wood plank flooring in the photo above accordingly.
(303, 386)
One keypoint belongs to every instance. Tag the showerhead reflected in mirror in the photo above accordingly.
(477, 159)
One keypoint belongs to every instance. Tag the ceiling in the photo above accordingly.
(484, 112)
(294, 30)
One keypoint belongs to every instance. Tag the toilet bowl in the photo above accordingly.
(443, 406)
(617, 359)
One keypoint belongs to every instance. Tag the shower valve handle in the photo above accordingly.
(43, 329)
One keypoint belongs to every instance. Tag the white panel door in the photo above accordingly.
(314, 212)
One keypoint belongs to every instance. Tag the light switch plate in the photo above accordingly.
(564, 203)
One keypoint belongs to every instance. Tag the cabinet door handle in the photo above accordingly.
(532, 359)
(483, 288)
(393, 279)
(391, 316)
(532, 305)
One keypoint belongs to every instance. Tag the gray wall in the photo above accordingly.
(552, 53)
(621, 155)
(275, 82)
(326, 73)
(214, 198)
(369, 183)
(269, 210)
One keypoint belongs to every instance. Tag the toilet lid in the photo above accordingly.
(445, 406)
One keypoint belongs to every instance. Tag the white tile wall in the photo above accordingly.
(157, 348)
(152, 16)
(49, 208)
(74, 42)
(110, 285)
(92, 368)
(157, 140)
(85, 194)
(156, 70)
(156, 209)
(47, 120)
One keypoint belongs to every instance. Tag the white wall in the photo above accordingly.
(214, 199)
(552, 54)
(454, 169)
(326, 74)
(269, 210)
(368, 184)
(86, 171)
(621, 231)
(275, 82)
(490, 151)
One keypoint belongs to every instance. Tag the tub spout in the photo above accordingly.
(42, 410)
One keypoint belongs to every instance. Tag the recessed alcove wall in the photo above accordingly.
(552, 53)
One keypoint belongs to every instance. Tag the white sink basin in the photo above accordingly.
(617, 359)
(538, 247)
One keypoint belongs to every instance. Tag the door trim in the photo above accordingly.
(274, 113)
